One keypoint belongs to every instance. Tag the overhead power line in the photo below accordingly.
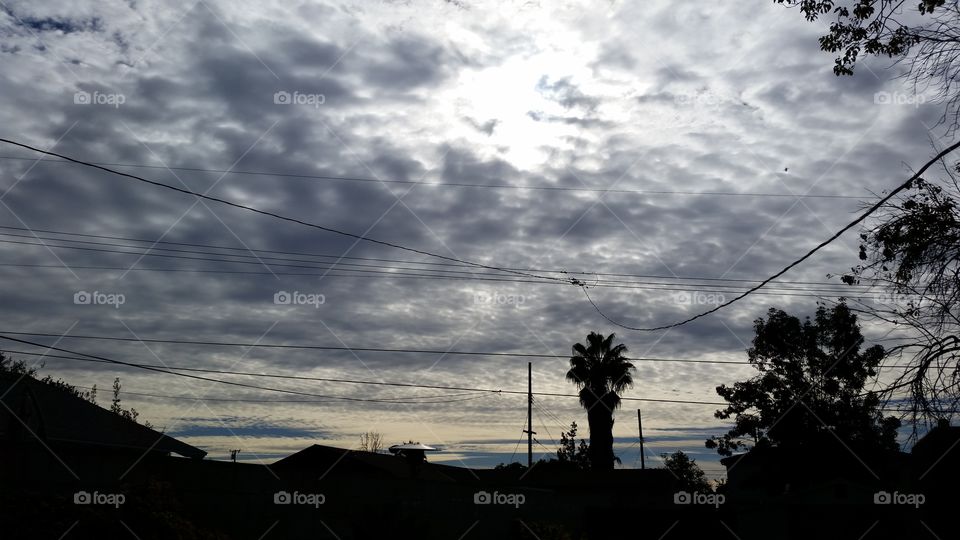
(160, 369)
(787, 268)
(456, 184)
(153, 243)
(553, 416)
(428, 277)
(399, 275)
(259, 345)
(715, 285)
(474, 396)
(268, 261)
(358, 237)
(544, 424)
(165, 370)
(264, 375)
(376, 274)
(170, 371)
(352, 349)
(450, 398)
(377, 271)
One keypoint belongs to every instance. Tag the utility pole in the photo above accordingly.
(643, 465)
(529, 431)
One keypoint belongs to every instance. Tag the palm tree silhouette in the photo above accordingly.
(601, 373)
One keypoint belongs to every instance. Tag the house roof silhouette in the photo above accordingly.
(34, 410)
(319, 459)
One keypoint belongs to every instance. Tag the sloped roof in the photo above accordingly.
(320, 459)
(55, 415)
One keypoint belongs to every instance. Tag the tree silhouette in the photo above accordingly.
(371, 441)
(810, 386)
(688, 474)
(601, 372)
(911, 255)
(116, 408)
(570, 452)
(925, 38)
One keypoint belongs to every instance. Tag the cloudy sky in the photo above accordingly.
(726, 145)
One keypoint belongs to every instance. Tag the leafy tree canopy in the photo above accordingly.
(690, 476)
(809, 388)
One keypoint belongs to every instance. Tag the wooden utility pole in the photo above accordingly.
(643, 465)
(529, 429)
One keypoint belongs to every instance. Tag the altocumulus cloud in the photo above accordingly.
(636, 96)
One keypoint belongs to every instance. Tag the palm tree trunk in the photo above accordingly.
(600, 420)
